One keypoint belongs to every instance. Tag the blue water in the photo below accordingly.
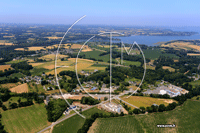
(151, 40)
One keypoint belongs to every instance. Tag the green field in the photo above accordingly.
(74, 123)
(195, 83)
(14, 61)
(38, 71)
(127, 63)
(36, 88)
(25, 120)
(154, 54)
(14, 100)
(141, 101)
(95, 54)
(18, 75)
(186, 118)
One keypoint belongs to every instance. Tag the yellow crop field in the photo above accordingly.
(81, 66)
(10, 85)
(106, 46)
(32, 39)
(91, 68)
(78, 46)
(80, 60)
(58, 70)
(49, 66)
(20, 88)
(36, 64)
(53, 37)
(31, 48)
(69, 66)
(21, 49)
(3, 67)
(66, 46)
(182, 45)
(193, 54)
(52, 56)
(146, 101)
(169, 68)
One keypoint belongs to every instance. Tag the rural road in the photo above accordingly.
(66, 117)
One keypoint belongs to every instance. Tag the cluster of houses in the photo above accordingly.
(88, 73)
(94, 86)
(38, 79)
(106, 89)
(27, 79)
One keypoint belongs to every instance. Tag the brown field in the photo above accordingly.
(31, 48)
(8, 36)
(8, 44)
(3, 67)
(78, 46)
(53, 37)
(169, 68)
(182, 45)
(193, 54)
(55, 91)
(149, 67)
(10, 85)
(20, 88)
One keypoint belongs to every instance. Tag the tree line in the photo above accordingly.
(55, 109)
(89, 101)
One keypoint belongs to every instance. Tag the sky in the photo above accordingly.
(102, 12)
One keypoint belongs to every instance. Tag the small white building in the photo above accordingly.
(162, 92)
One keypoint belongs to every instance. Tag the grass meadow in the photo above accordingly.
(26, 119)
(74, 123)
